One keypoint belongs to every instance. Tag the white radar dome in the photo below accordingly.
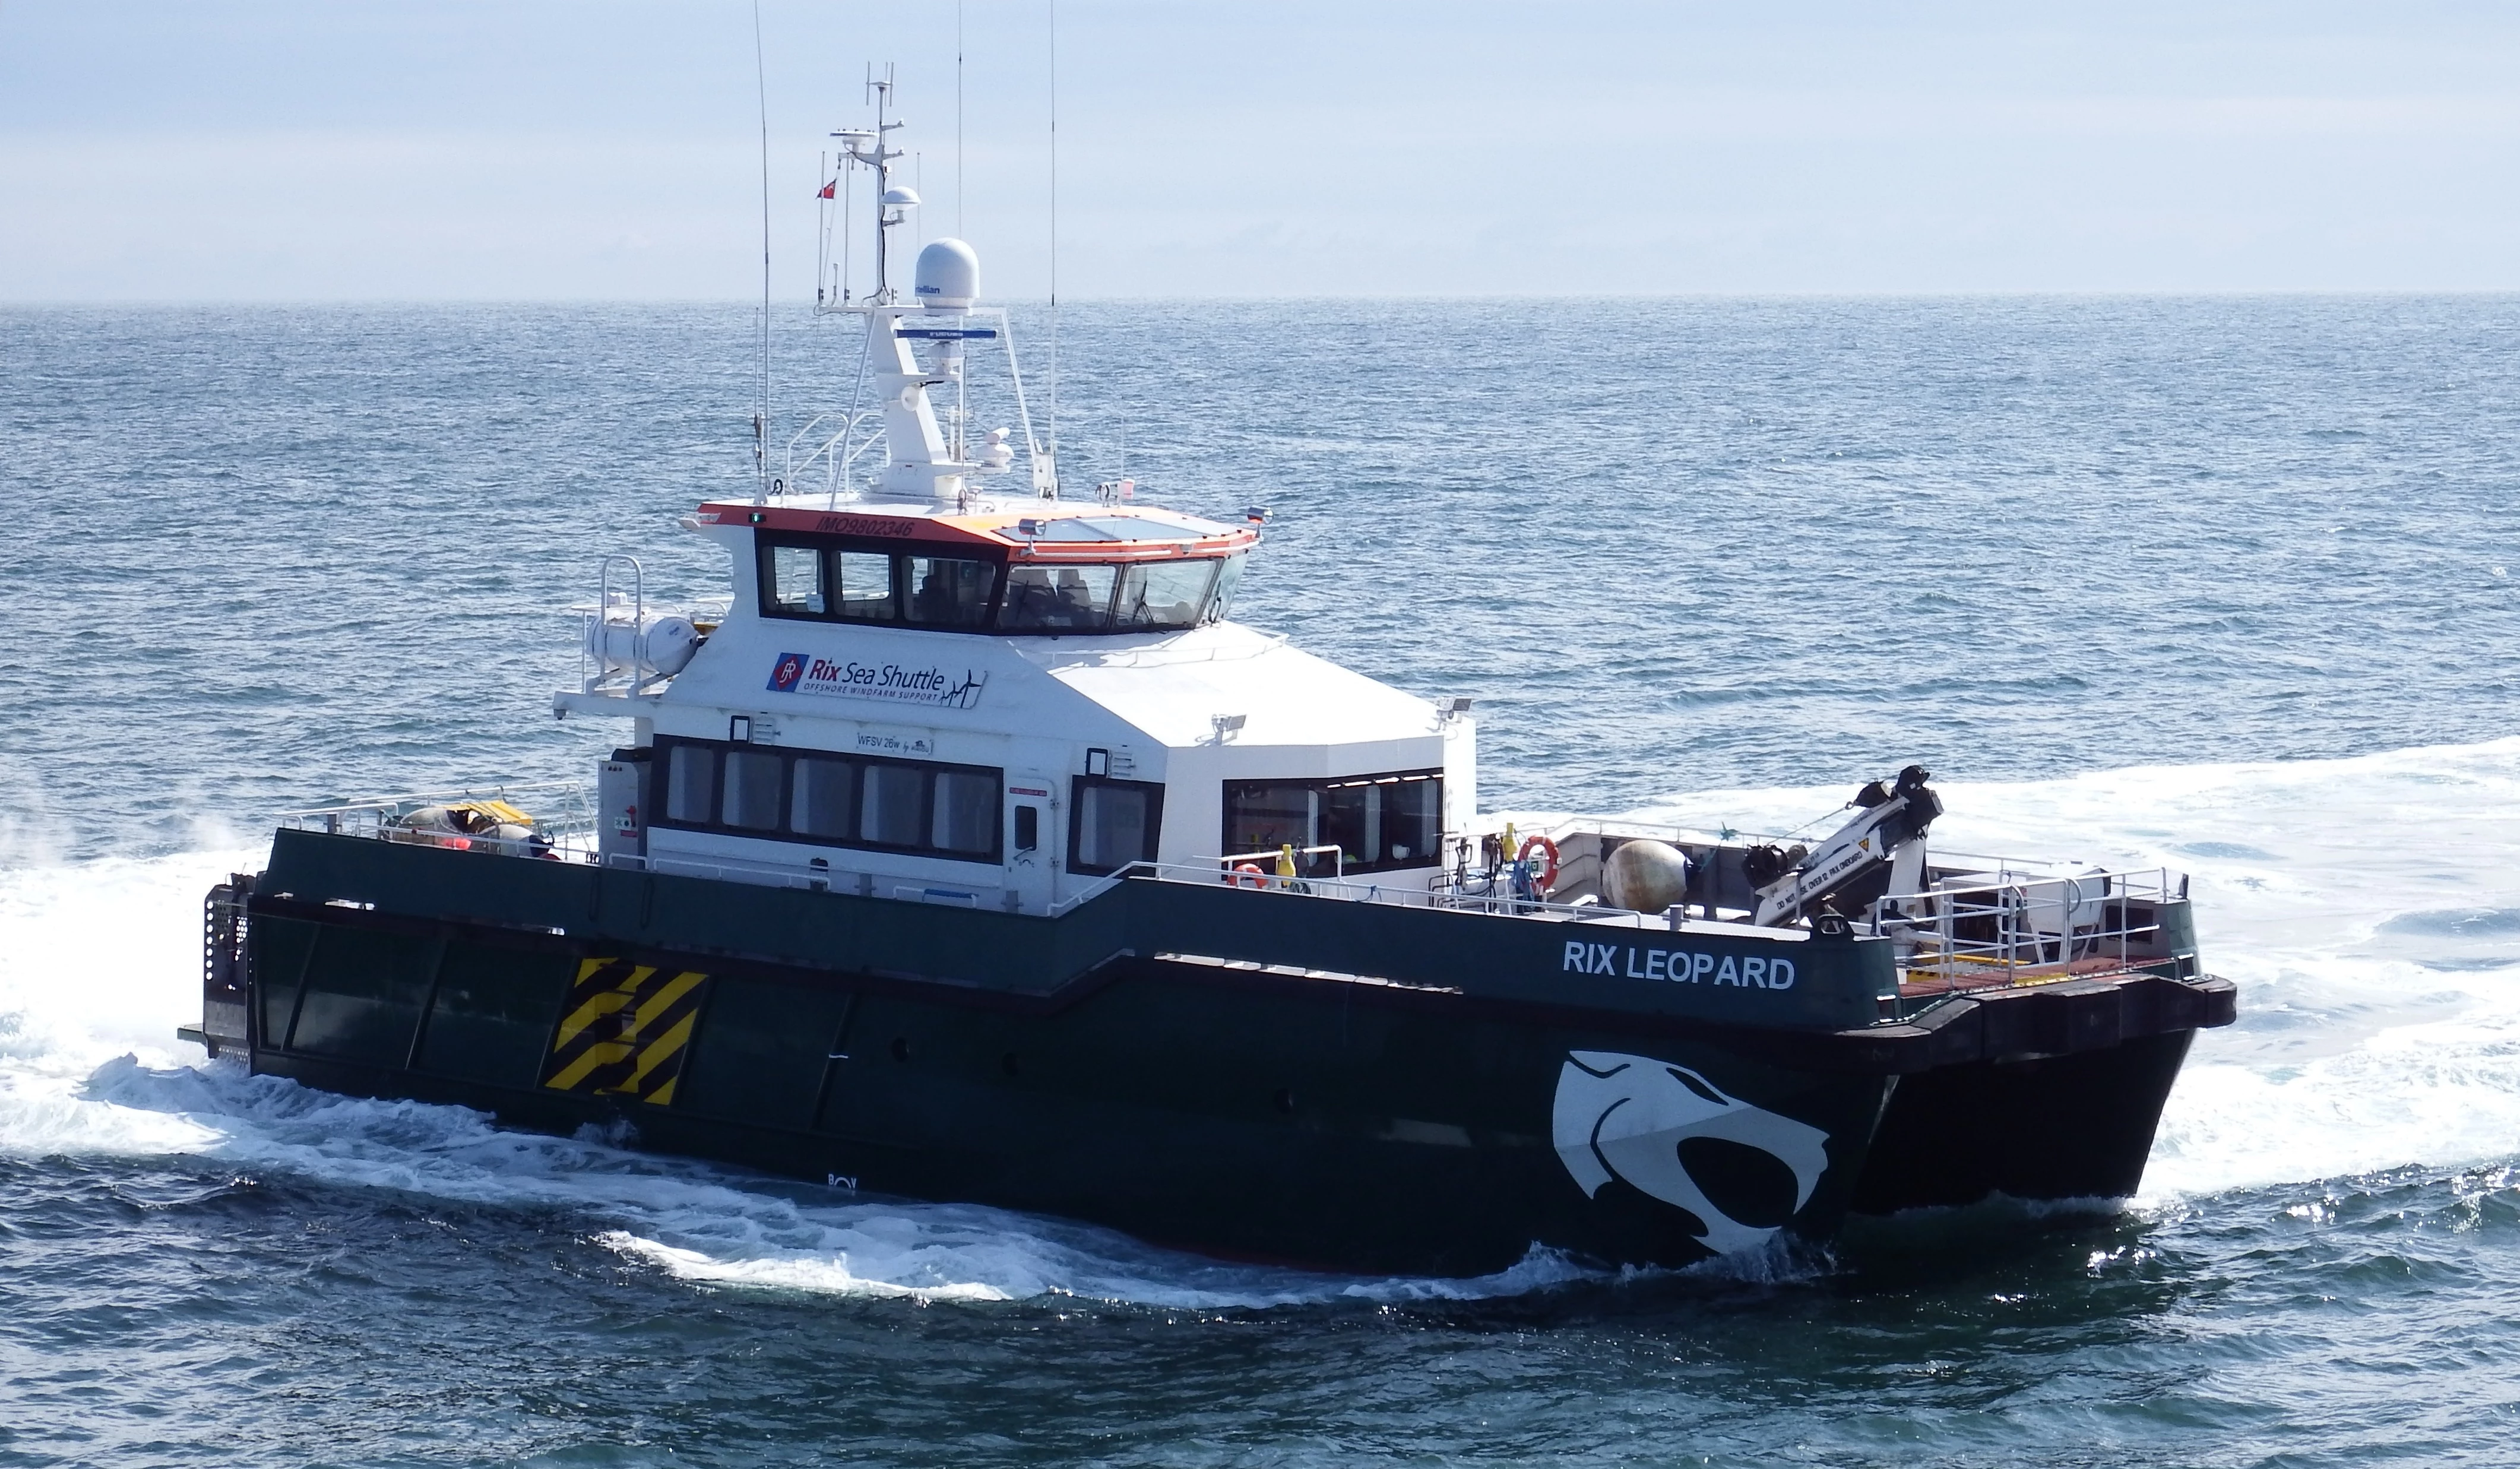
(948, 275)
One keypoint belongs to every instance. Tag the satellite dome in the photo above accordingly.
(948, 276)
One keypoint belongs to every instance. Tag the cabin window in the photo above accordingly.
(821, 803)
(751, 790)
(690, 782)
(950, 592)
(863, 583)
(1116, 824)
(1161, 595)
(893, 811)
(1377, 822)
(794, 574)
(965, 816)
(833, 800)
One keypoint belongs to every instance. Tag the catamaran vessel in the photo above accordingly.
(974, 852)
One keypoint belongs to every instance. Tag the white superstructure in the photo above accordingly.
(939, 681)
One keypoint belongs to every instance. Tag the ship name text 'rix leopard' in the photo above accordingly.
(973, 851)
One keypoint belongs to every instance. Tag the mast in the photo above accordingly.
(917, 345)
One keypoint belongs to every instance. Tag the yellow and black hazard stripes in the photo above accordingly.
(626, 1030)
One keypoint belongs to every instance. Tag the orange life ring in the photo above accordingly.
(1249, 869)
(1548, 874)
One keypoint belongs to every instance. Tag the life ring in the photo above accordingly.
(1547, 876)
(1249, 869)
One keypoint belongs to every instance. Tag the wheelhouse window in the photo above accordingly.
(833, 800)
(864, 582)
(950, 592)
(1378, 823)
(1229, 577)
(793, 579)
(1117, 822)
(1157, 595)
(1059, 598)
(824, 579)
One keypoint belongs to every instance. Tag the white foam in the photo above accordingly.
(2368, 909)
(2380, 1027)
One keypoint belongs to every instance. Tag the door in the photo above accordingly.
(1032, 840)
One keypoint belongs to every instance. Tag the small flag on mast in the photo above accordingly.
(827, 189)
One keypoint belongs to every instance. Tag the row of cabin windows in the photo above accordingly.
(948, 811)
(822, 582)
(1378, 823)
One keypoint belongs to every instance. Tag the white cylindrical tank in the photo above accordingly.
(948, 276)
(657, 647)
(1644, 877)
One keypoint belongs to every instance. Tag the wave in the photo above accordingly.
(2365, 906)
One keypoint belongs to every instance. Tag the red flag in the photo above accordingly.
(828, 187)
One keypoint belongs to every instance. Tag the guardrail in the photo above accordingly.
(1438, 892)
(563, 814)
(2007, 927)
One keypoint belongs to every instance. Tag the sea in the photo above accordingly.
(2227, 585)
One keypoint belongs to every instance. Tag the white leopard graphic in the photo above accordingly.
(1625, 1117)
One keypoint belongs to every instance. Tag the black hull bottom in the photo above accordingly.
(1189, 1144)
(2065, 1127)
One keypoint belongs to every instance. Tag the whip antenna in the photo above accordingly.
(1053, 234)
(958, 120)
(761, 424)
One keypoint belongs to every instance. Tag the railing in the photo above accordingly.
(1996, 864)
(1248, 864)
(562, 817)
(2013, 927)
(1438, 892)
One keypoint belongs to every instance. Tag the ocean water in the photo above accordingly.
(2226, 585)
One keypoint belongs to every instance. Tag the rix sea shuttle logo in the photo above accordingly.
(789, 669)
(1632, 1118)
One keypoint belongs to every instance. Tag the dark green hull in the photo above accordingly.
(1258, 1074)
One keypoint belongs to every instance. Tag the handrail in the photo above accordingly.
(2016, 927)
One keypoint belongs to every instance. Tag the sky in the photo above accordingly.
(538, 149)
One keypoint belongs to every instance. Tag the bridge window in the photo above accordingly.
(1059, 598)
(820, 579)
(1380, 823)
(1161, 595)
(864, 582)
(950, 592)
(795, 580)
(1116, 824)
(1229, 576)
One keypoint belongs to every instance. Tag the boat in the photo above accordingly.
(973, 851)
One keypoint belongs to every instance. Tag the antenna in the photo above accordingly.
(1054, 238)
(958, 120)
(761, 424)
(885, 195)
